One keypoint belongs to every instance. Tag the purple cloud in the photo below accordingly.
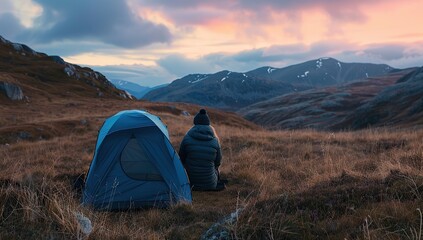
(387, 52)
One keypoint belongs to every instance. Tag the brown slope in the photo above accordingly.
(43, 120)
(322, 109)
(398, 105)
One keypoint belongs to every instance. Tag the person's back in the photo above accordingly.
(200, 153)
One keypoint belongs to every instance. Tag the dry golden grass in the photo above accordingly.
(291, 184)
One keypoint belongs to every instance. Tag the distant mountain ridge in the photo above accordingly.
(225, 89)
(322, 72)
(134, 89)
(39, 75)
(233, 90)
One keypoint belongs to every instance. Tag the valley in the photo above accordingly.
(295, 184)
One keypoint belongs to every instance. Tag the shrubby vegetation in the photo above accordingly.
(290, 184)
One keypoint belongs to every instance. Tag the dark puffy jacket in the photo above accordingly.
(200, 153)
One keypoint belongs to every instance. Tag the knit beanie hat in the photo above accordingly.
(202, 118)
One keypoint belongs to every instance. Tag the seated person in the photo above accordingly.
(201, 155)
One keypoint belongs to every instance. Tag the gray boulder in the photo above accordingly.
(12, 91)
(84, 223)
(222, 229)
(70, 69)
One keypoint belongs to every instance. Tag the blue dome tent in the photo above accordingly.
(135, 165)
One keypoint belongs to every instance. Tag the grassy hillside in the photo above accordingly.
(291, 184)
(355, 105)
(42, 77)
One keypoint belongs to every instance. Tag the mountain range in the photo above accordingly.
(233, 90)
(134, 89)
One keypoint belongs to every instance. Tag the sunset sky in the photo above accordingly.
(151, 42)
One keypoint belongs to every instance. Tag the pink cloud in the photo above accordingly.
(345, 10)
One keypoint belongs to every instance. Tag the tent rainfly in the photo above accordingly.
(135, 165)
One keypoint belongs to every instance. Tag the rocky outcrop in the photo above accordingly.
(126, 95)
(37, 73)
(70, 70)
(12, 91)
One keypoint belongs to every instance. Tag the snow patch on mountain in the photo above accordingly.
(303, 75)
(122, 83)
(319, 63)
(199, 78)
(339, 64)
(270, 70)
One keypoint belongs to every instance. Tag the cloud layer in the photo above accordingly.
(106, 21)
(140, 74)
